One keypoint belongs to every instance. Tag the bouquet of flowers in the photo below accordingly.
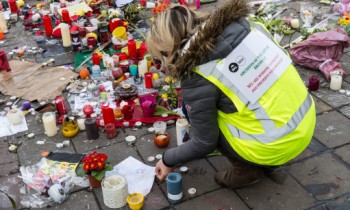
(168, 92)
(148, 104)
(96, 165)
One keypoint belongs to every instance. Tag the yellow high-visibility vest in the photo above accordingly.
(277, 127)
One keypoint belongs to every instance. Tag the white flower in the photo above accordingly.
(123, 103)
(166, 87)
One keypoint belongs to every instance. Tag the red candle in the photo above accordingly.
(111, 131)
(13, 6)
(91, 41)
(142, 50)
(132, 49)
(65, 16)
(122, 56)
(63, 5)
(108, 114)
(60, 105)
(113, 24)
(314, 83)
(148, 79)
(96, 59)
(47, 25)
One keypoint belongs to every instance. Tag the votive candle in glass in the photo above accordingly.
(110, 130)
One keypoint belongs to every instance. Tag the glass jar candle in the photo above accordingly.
(110, 130)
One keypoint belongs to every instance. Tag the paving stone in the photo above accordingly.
(269, 195)
(318, 176)
(313, 148)
(345, 61)
(321, 106)
(219, 162)
(29, 152)
(332, 129)
(77, 200)
(200, 175)
(11, 185)
(119, 152)
(219, 199)
(146, 146)
(342, 203)
(9, 168)
(82, 145)
(5, 155)
(345, 111)
(344, 153)
(333, 98)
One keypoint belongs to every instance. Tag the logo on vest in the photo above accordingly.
(234, 66)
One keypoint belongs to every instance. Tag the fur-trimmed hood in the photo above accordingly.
(216, 38)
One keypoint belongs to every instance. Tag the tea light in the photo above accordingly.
(13, 98)
(164, 115)
(347, 93)
(126, 124)
(192, 191)
(31, 135)
(12, 148)
(159, 156)
(341, 91)
(66, 143)
(138, 124)
(130, 140)
(150, 130)
(9, 103)
(151, 159)
(59, 145)
(183, 169)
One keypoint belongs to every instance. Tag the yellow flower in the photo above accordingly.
(167, 80)
(164, 96)
(152, 19)
(345, 20)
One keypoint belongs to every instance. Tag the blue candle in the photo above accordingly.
(174, 187)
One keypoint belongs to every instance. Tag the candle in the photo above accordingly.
(91, 129)
(174, 188)
(96, 72)
(133, 70)
(49, 121)
(142, 50)
(13, 6)
(104, 37)
(81, 124)
(148, 79)
(132, 49)
(65, 16)
(15, 116)
(111, 131)
(91, 41)
(66, 39)
(143, 67)
(314, 83)
(114, 23)
(47, 25)
(26, 105)
(182, 131)
(108, 114)
(3, 25)
(60, 105)
(336, 81)
(75, 40)
(96, 58)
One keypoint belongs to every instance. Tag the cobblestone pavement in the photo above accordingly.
(317, 179)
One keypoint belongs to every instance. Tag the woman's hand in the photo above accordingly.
(162, 170)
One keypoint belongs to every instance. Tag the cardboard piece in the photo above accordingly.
(32, 82)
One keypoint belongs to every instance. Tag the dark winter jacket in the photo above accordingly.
(203, 99)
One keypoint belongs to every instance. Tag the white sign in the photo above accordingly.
(254, 65)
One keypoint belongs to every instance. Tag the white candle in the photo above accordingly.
(336, 81)
(143, 67)
(49, 121)
(81, 124)
(181, 130)
(66, 39)
(15, 116)
(3, 26)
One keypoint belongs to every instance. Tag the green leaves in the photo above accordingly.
(162, 110)
(13, 203)
(100, 174)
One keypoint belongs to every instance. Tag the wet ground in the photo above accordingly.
(317, 179)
